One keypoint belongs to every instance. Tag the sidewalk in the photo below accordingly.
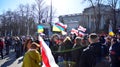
(17, 63)
(10, 60)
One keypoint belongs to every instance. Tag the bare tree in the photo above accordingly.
(96, 7)
(44, 11)
(22, 20)
(19, 22)
(40, 5)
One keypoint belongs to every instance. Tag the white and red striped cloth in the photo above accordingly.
(47, 57)
(76, 32)
(81, 34)
(61, 24)
(81, 28)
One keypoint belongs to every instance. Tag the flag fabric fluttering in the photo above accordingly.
(74, 31)
(77, 32)
(61, 25)
(47, 57)
(111, 33)
(81, 34)
(81, 28)
(57, 28)
(40, 28)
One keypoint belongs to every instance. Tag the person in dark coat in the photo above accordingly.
(18, 46)
(67, 44)
(115, 53)
(7, 45)
(54, 41)
(92, 54)
(76, 51)
(108, 42)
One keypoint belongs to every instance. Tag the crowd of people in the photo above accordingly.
(93, 50)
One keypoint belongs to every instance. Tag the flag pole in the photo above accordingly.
(50, 18)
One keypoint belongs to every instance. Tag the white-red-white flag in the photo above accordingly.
(81, 34)
(47, 57)
(74, 31)
(81, 28)
(61, 24)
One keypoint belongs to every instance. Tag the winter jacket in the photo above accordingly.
(32, 58)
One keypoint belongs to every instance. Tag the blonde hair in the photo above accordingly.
(67, 38)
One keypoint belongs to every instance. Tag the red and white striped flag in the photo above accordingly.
(74, 31)
(81, 34)
(81, 28)
(47, 57)
(61, 24)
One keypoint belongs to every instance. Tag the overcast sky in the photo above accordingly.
(62, 6)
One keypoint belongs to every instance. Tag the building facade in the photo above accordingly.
(72, 20)
(90, 18)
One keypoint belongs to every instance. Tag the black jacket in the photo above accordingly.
(91, 55)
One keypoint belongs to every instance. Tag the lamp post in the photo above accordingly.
(51, 16)
(51, 12)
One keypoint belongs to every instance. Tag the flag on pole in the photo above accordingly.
(40, 28)
(47, 57)
(111, 33)
(74, 31)
(81, 34)
(81, 28)
(61, 25)
(57, 28)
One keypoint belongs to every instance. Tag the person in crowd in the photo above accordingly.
(118, 37)
(32, 57)
(104, 47)
(108, 42)
(27, 45)
(7, 44)
(115, 53)
(92, 55)
(67, 45)
(85, 41)
(47, 40)
(102, 39)
(1, 48)
(77, 50)
(54, 41)
(23, 42)
(18, 47)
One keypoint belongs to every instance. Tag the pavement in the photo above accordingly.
(10, 60)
